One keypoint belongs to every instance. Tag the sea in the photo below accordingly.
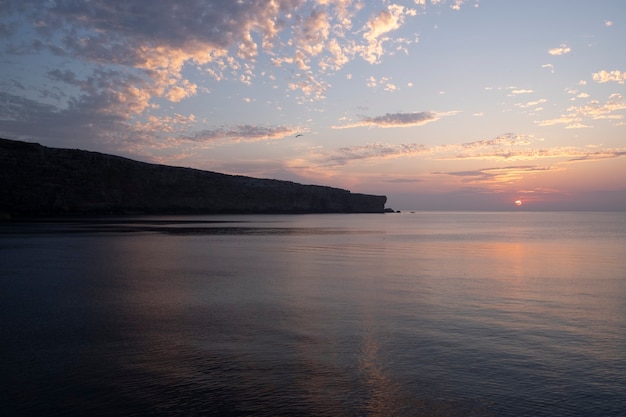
(396, 314)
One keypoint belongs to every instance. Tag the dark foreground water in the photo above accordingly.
(413, 314)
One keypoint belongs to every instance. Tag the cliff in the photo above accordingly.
(40, 181)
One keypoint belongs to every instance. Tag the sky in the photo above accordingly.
(437, 104)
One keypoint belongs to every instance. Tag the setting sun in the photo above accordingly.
(518, 202)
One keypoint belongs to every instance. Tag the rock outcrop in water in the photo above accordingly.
(40, 181)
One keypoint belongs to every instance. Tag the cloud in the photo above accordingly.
(509, 146)
(345, 155)
(561, 50)
(131, 59)
(160, 42)
(507, 139)
(402, 180)
(506, 174)
(383, 82)
(606, 76)
(78, 119)
(597, 155)
(455, 4)
(494, 170)
(123, 59)
(504, 148)
(127, 58)
(242, 133)
(183, 90)
(533, 103)
(521, 91)
(596, 110)
(166, 123)
(219, 35)
(121, 94)
(469, 150)
(390, 120)
(593, 110)
(380, 24)
(312, 34)
(514, 147)
(384, 21)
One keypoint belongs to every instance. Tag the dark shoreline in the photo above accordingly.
(39, 181)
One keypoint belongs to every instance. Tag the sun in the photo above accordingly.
(518, 202)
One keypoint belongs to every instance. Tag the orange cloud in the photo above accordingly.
(561, 50)
(606, 76)
(593, 110)
(383, 22)
(498, 175)
(507, 147)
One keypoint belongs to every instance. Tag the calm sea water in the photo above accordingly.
(412, 314)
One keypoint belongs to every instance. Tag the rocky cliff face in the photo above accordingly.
(41, 181)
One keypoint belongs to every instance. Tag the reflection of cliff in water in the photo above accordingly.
(39, 181)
